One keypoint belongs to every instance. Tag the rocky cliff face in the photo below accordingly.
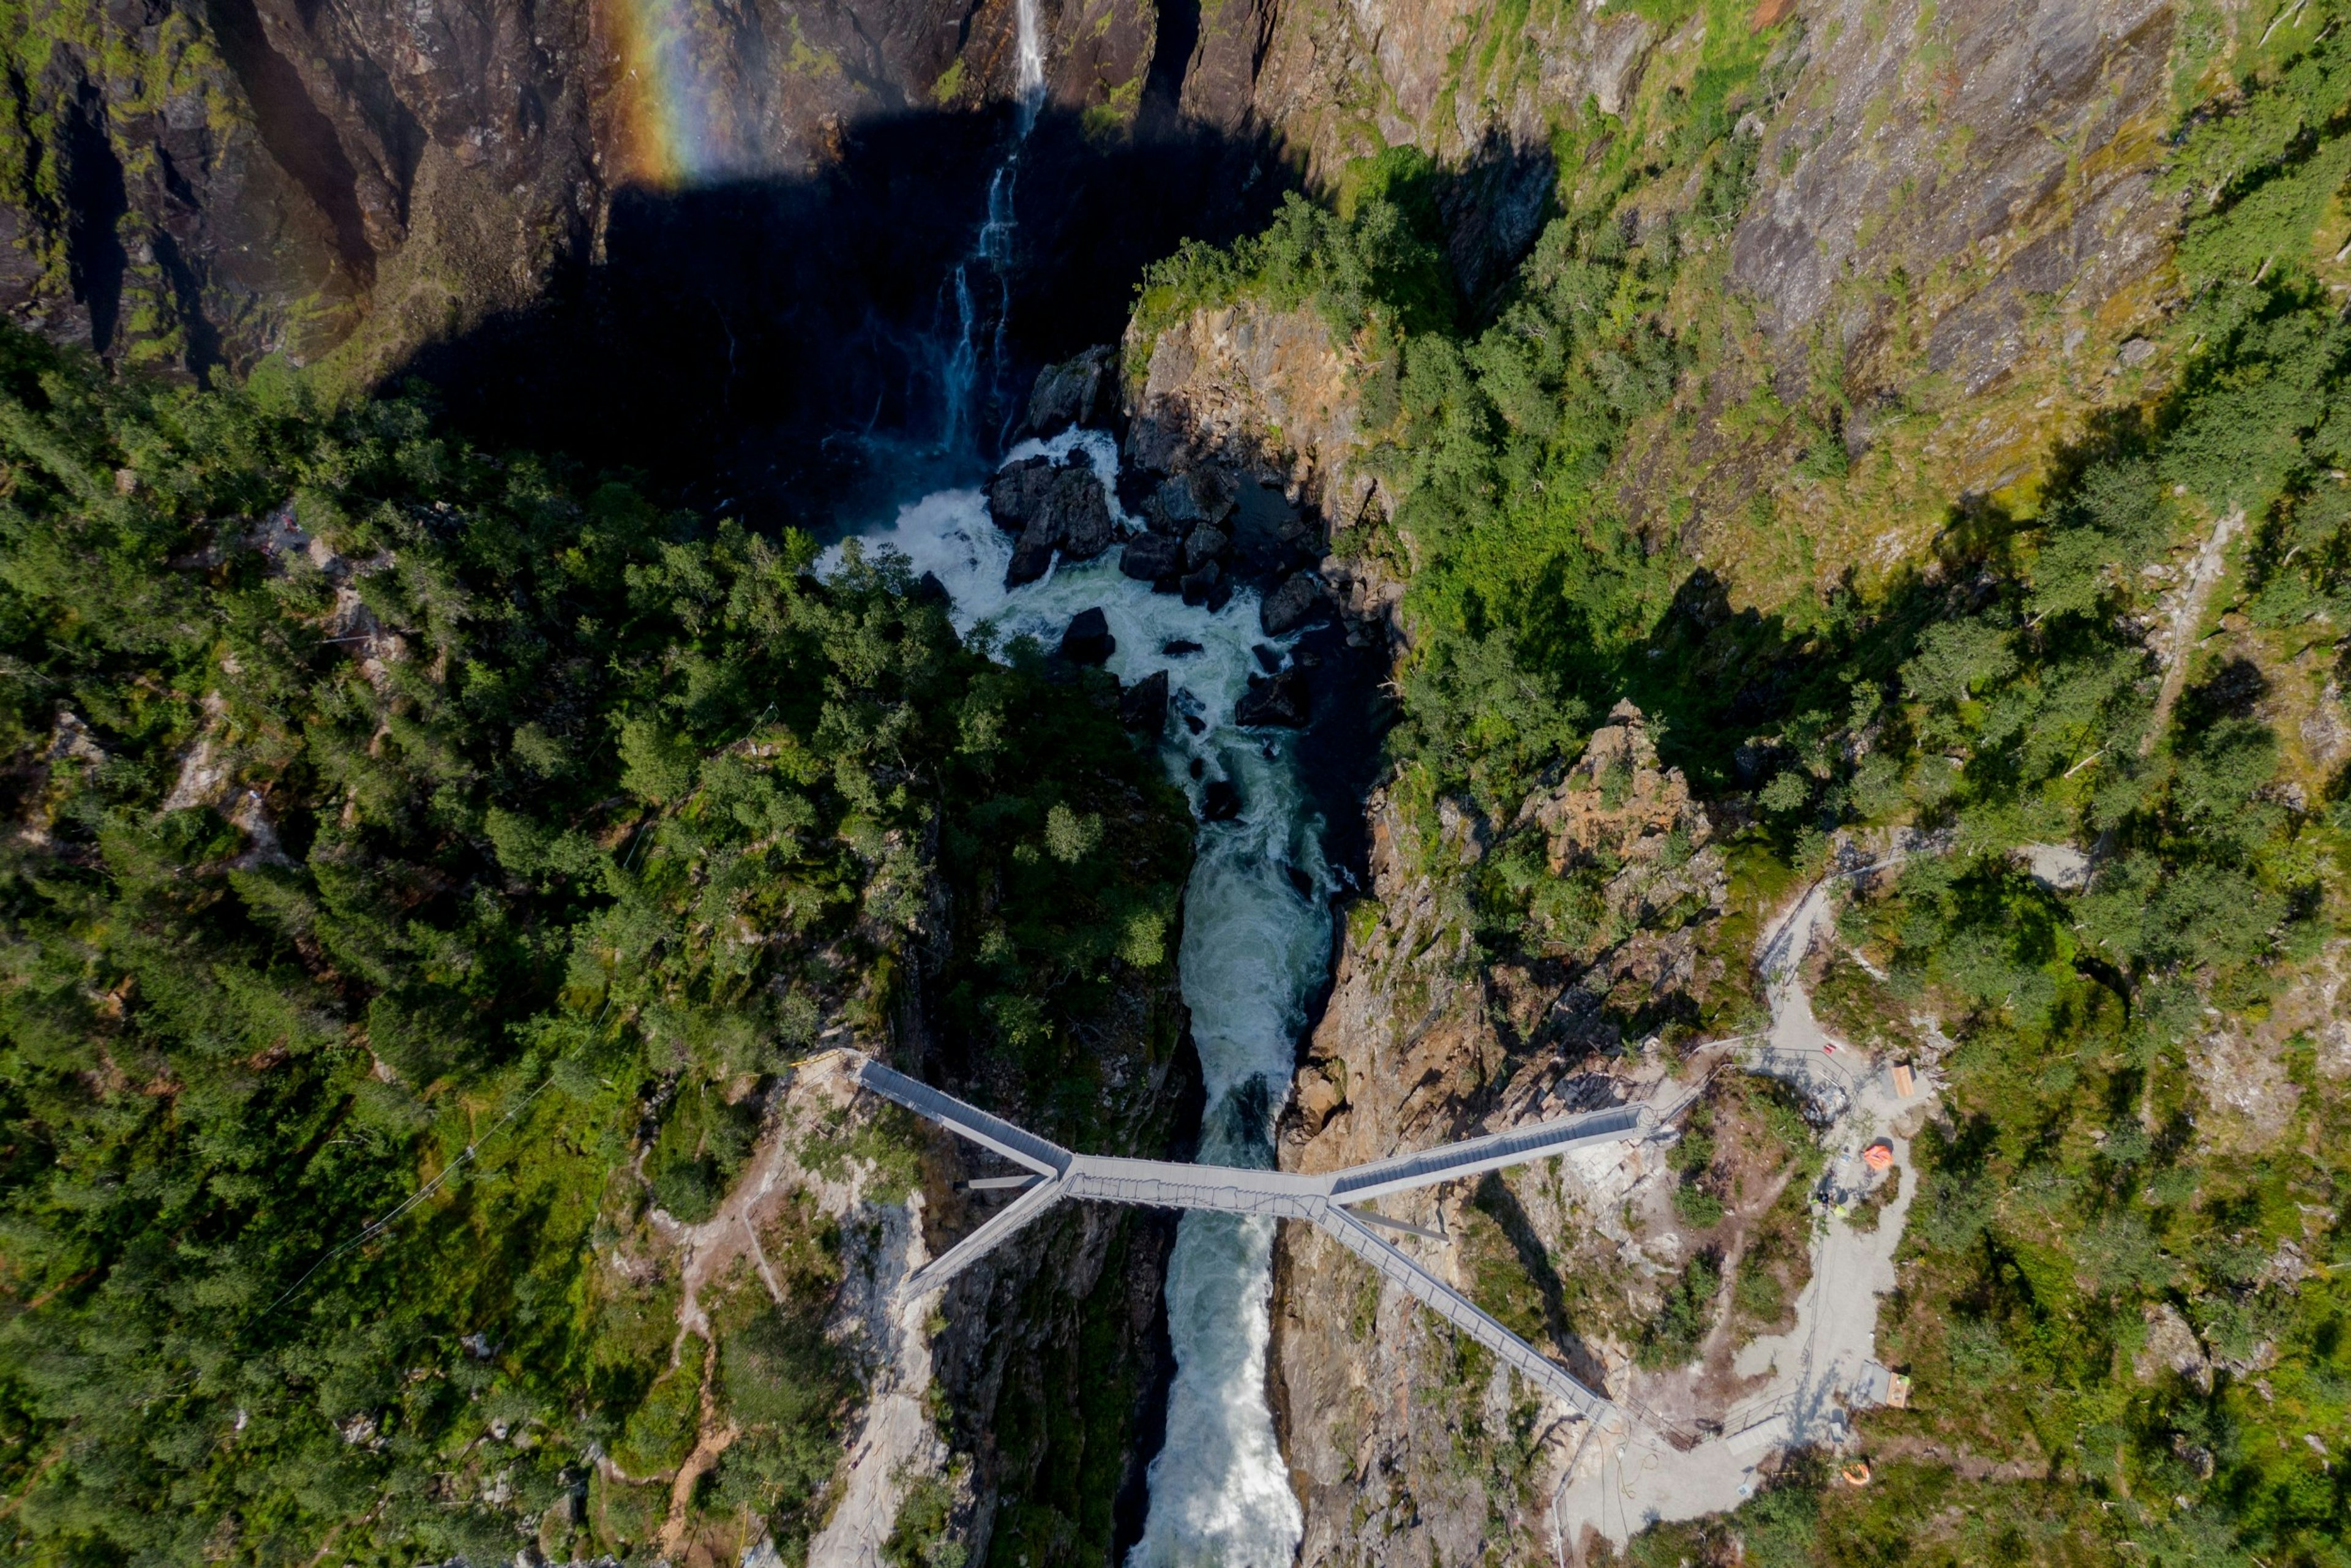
(1406, 1447)
(1953, 248)
(196, 184)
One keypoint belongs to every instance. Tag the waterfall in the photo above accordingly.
(991, 252)
(1257, 941)
(1028, 56)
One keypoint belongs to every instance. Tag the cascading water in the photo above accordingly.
(1256, 942)
(991, 250)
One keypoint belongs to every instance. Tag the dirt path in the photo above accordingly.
(712, 1440)
(896, 1437)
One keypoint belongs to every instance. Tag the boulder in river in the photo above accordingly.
(1298, 601)
(1189, 499)
(1086, 530)
(1282, 701)
(1088, 640)
(1206, 585)
(1151, 557)
(1143, 706)
(1051, 508)
(1220, 801)
(1080, 390)
(1019, 491)
(1203, 544)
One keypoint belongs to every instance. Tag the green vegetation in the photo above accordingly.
(1684, 1317)
(494, 821)
(1692, 1158)
(2148, 1116)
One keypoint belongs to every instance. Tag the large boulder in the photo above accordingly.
(1019, 491)
(1084, 521)
(1080, 390)
(1203, 544)
(1282, 701)
(1151, 557)
(1143, 706)
(1208, 586)
(1088, 640)
(1298, 601)
(1031, 558)
(1051, 508)
(1220, 801)
(1195, 497)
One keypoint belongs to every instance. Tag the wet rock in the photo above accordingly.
(1018, 492)
(1030, 558)
(1268, 658)
(1143, 706)
(1151, 557)
(1284, 701)
(1206, 585)
(1297, 601)
(929, 589)
(1220, 801)
(1179, 648)
(1086, 530)
(1080, 390)
(1088, 640)
(1203, 544)
(1138, 489)
(1196, 496)
(1051, 508)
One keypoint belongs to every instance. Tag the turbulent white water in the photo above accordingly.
(1255, 946)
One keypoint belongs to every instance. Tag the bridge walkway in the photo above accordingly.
(1321, 1200)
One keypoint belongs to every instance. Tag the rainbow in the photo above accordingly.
(671, 92)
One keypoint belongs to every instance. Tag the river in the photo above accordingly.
(1256, 948)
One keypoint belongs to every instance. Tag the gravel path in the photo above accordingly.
(1625, 1476)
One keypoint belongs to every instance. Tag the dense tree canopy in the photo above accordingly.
(385, 812)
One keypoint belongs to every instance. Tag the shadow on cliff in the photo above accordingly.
(741, 340)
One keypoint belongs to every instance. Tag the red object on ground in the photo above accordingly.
(1878, 1156)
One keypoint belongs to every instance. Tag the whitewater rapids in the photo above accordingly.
(1256, 942)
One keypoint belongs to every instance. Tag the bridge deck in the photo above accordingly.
(1459, 1310)
(1018, 1144)
(1231, 1189)
(1473, 1157)
(1162, 1183)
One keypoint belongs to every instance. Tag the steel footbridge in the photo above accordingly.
(1330, 1200)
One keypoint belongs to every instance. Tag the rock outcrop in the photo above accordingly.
(1248, 393)
(1424, 1041)
(1082, 390)
(1859, 182)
